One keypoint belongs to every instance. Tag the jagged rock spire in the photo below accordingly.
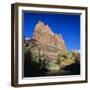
(44, 35)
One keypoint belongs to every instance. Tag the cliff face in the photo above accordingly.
(44, 35)
(45, 43)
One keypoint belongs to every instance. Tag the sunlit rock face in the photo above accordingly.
(45, 36)
(45, 42)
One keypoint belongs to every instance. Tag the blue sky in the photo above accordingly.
(68, 25)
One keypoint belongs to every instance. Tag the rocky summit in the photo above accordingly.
(45, 36)
(46, 41)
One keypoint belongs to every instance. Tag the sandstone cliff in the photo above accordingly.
(45, 42)
(44, 35)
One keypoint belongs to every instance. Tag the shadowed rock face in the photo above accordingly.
(45, 43)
